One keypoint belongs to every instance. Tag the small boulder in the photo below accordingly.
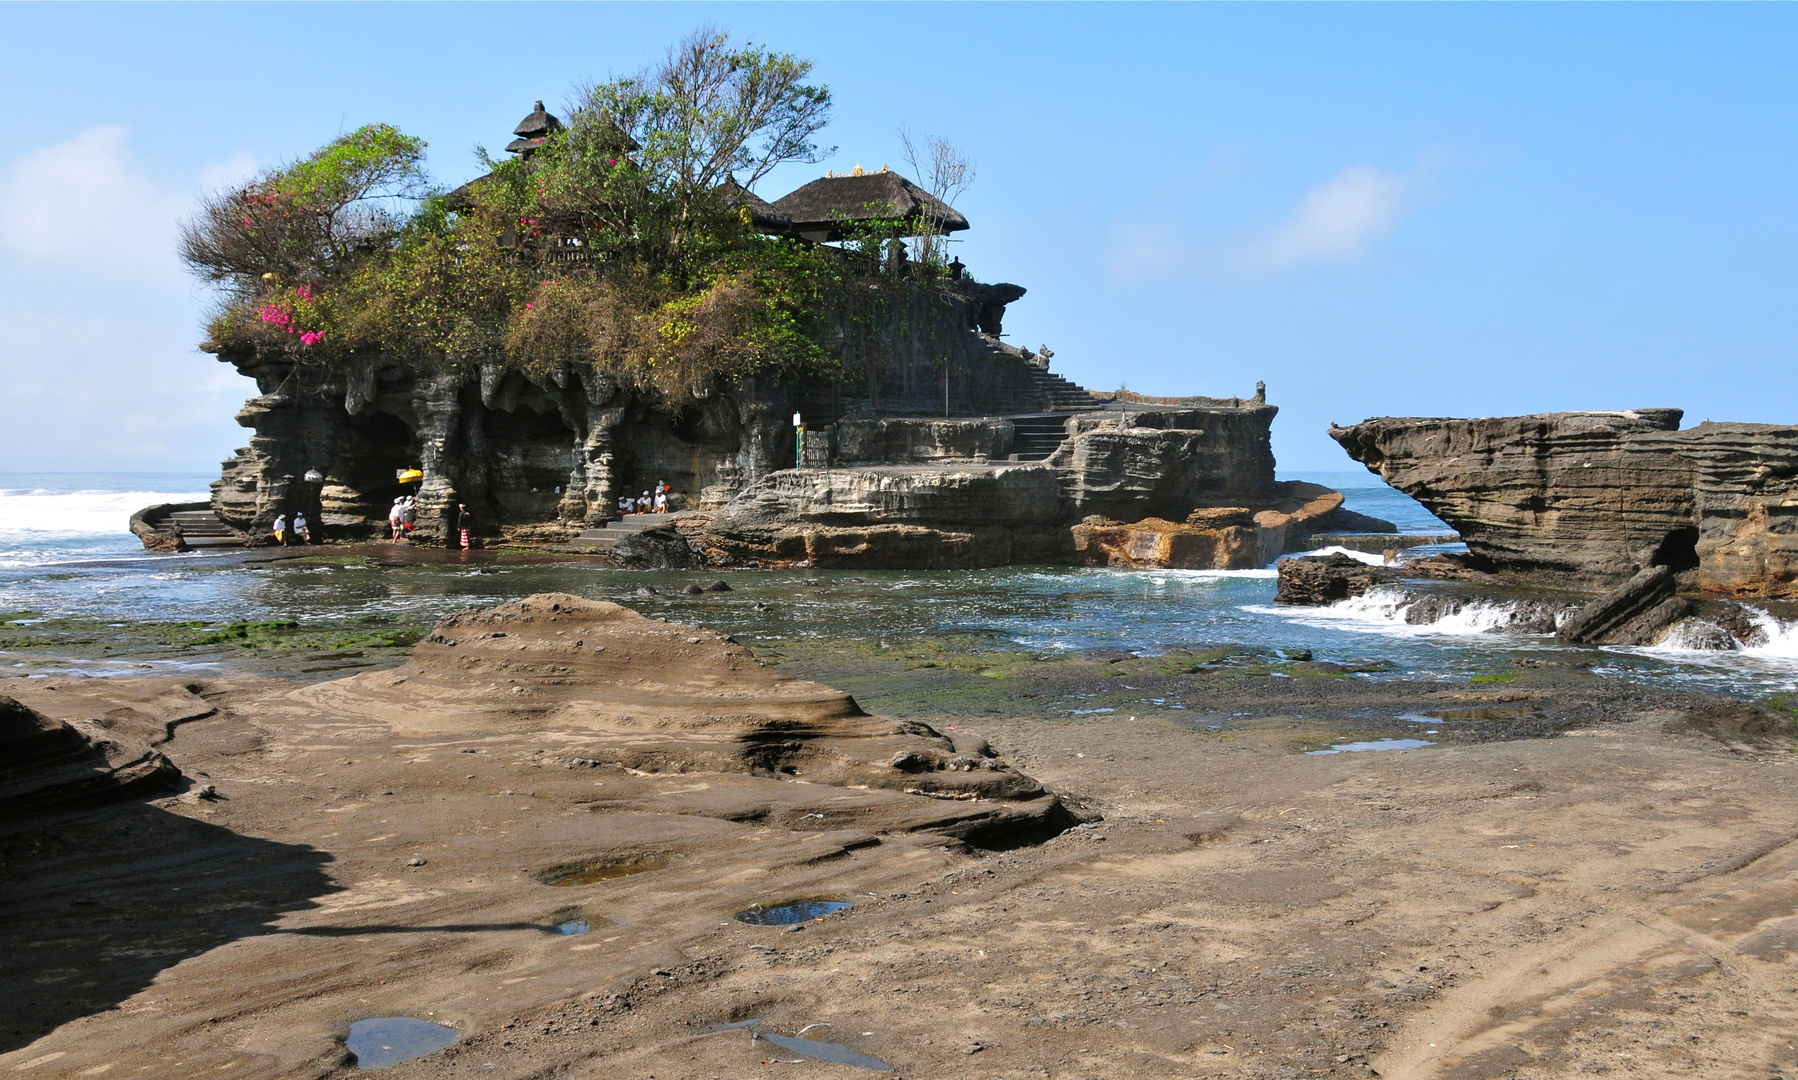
(912, 761)
(718, 586)
(968, 744)
(1317, 580)
(660, 548)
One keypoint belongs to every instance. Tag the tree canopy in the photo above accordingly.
(616, 244)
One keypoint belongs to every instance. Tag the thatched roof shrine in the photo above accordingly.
(819, 210)
(532, 130)
(762, 214)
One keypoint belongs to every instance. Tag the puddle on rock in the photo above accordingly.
(823, 1051)
(598, 870)
(1373, 744)
(797, 911)
(573, 926)
(389, 1040)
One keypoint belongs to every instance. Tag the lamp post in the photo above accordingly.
(798, 441)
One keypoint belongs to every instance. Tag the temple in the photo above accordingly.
(928, 391)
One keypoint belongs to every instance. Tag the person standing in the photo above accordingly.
(464, 521)
(279, 529)
(409, 515)
(396, 517)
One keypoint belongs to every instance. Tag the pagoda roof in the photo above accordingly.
(819, 209)
(538, 124)
(532, 130)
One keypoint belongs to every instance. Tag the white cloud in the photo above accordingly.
(84, 203)
(98, 319)
(1335, 220)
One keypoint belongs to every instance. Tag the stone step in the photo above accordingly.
(1061, 394)
(1037, 437)
(202, 528)
(603, 537)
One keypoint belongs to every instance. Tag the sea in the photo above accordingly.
(66, 552)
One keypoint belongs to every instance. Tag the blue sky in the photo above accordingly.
(1380, 210)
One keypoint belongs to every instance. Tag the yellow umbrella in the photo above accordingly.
(408, 476)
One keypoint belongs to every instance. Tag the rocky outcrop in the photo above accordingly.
(577, 666)
(875, 477)
(1633, 613)
(528, 449)
(1599, 496)
(46, 764)
(1110, 493)
(1317, 580)
(1212, 538)
(661, 548)
(1155, 543)
(1745, 498)
(152, 525)
(1577, 493)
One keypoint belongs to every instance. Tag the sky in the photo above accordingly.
(1404, 210)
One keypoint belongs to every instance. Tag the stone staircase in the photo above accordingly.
(202, 529)
(1037, 435)
(603, 538)
(1061, 395)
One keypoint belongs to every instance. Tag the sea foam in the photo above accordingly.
(39, 513)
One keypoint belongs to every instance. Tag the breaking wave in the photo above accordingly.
(1336, 549)
(44, 526)
(40, 513)
(1762, 634)
(1394, 609)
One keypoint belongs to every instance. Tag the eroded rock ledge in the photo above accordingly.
(1599, 496)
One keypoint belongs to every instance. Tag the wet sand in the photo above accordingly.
(1582, 876)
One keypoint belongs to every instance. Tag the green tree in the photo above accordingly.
(312, 219)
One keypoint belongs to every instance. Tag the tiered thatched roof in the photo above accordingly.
(819, 210)
(532, 130)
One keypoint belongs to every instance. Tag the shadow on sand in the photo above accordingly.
(95, 903)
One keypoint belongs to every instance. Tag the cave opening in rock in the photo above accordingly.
(375, 447)
(531, 457)
(1677, 551)
(686, 449)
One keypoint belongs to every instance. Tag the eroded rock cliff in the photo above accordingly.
(529, 450)
(1603, 495)
(1138, 471)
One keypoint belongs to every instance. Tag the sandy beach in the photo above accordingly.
(1111, 895)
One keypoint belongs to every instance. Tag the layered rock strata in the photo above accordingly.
(621, 689)
(1634, 613)
(1602, 495)
(1111, 493)
(49, 764)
